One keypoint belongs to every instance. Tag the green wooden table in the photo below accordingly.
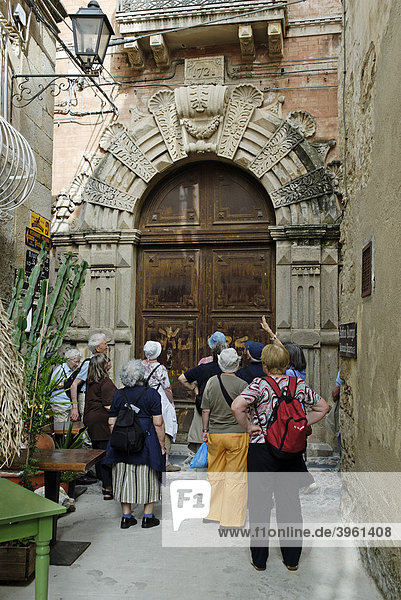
(25, 514)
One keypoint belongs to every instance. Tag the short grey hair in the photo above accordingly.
(132, 372)
(72, 353)
(95, 340)
(218, 348)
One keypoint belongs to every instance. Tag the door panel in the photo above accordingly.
(241, 279)
(171, 279)
(205, 263)
(178, 339)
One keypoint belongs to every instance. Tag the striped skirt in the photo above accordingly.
(135, 484)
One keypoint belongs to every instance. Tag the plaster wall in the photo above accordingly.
(35, 122)
(370, 401)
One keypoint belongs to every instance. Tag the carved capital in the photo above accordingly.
(99, 192)
(280, 144)
(162, 106)
(311, 185)
(244, 99)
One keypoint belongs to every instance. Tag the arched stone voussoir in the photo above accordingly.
(202, 123)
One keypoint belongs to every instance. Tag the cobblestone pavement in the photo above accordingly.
(134, 564)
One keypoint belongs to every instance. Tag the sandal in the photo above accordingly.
(107, 494)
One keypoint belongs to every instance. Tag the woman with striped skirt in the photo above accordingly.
(137, 476)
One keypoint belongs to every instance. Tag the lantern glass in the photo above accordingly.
(92, 32)
(103, 42)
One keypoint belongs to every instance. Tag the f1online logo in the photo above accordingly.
(190, 499)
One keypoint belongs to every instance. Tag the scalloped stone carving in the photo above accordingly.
(303, 121)
(244, 99)
(162, 106)
(109, 134)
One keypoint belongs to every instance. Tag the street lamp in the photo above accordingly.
(92, 33)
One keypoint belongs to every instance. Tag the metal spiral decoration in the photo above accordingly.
(17, 167)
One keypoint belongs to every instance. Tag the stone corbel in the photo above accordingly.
(160, 50)
(275, 38)
(247, 42)
(135, 55)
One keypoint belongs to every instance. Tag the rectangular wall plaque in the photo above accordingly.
(348, 340)
(204, 70)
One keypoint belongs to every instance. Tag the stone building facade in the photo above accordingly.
(369, 291)
(221, 167)
(27, 47)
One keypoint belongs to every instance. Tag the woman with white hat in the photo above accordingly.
(156, 376)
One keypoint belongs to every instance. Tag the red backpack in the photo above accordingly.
(286, 427)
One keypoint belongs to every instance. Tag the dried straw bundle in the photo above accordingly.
(12, 394)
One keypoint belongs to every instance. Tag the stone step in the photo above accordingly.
(319, 449)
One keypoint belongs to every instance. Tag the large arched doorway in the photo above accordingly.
(205, 262)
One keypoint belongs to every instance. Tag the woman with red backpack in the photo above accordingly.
(272, 410)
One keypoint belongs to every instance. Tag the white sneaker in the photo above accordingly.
(310, 488)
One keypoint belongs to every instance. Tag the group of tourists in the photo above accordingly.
(93, 398)
(234, 408)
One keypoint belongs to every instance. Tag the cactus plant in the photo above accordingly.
(52, 314)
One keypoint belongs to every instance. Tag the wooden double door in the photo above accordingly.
(205, 263)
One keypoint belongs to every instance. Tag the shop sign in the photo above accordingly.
(40, 224)
(34, 240)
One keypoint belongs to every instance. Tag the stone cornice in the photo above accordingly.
(134, 21)
(296, 232)
(80, 238)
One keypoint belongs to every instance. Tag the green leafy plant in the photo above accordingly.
(71, 440)
(51, 310)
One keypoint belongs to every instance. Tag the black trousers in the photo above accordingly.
(103, 472)
(268, 475)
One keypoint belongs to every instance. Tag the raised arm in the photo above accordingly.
(273, 336)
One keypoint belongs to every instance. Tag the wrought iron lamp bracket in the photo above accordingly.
(24, 91)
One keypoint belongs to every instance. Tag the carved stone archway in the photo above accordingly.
(214, 123)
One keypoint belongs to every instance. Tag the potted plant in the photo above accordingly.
(70, 440)
(17, 559)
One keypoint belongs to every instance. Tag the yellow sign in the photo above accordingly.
(40, 224)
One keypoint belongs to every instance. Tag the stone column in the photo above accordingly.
(107, 301)
(307, 301)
